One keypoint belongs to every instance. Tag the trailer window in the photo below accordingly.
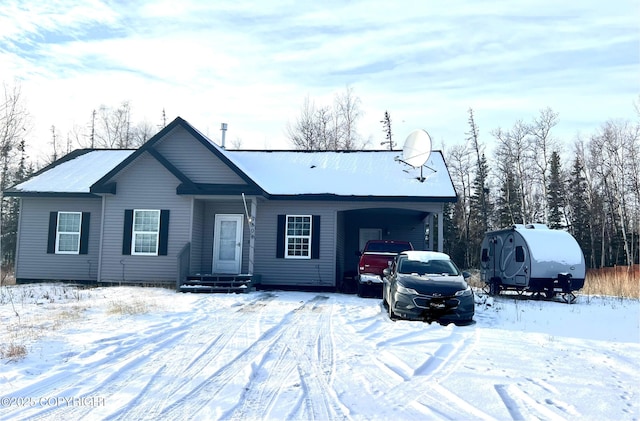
(485, 255)
(519, 254)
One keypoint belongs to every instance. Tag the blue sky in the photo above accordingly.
(252, 63)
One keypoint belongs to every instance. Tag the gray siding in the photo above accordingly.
(33, 262)
(144, 185)
(194, 160)
(277, 271)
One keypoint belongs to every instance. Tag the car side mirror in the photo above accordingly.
(466, 275)
(386, 271)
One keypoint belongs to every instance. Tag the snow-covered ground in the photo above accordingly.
(149, 353)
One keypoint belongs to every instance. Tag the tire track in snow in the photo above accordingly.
(268, 379)
(115, 364)
(315, 352)
(521, 406)
(96, 376)
(395, 380)
(190, 366)
(206, 392)
(425, 382)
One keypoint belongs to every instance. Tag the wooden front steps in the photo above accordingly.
(218, 283)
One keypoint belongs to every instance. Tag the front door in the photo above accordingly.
(227, 244)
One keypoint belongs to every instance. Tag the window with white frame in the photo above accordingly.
(68, 232)
(145, 232)
(298, 237)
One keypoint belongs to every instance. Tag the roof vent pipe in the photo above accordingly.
(223, 127)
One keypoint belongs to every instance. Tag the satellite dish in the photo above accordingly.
(417, 148)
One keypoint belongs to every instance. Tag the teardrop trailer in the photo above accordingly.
(532, 259)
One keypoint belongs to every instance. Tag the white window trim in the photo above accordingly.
(58, 232)
(134, 233)
(287, 237)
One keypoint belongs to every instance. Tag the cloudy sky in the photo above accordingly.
(252, 63)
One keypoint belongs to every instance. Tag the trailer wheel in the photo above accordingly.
(495, 285)
(549, 293)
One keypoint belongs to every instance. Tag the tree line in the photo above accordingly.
(594, 193)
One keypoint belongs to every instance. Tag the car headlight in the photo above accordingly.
(404, 290)
(464, 293)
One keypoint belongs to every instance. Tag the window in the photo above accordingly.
(68, 233)
(298, 237)
(519, 254)
(145, 231)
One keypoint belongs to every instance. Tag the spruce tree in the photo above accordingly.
(555, 192)
(480, 208)
(508, 204)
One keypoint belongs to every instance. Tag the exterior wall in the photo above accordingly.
(194, 160)
(334, 242)
(307, 272)
(145, 184)
(32, 260)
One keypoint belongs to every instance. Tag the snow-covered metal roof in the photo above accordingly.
(346, 173)
(74, 175)
(352, 173)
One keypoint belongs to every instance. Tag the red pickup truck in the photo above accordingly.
(377, 256)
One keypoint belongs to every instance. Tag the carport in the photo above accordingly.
(356, 226)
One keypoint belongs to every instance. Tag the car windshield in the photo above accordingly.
(431, 267)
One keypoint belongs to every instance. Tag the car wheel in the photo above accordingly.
(392, 315)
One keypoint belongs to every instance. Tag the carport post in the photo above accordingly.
(440, 232)
(429, 226)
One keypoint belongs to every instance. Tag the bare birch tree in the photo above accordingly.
(14, 127)
(543, 144)
(327, 128)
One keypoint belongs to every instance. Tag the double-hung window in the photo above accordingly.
(68, 232)
(145, 232)
(298, 237)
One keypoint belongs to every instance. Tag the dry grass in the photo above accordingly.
(130, 308)
(21, 326)
(12, 351)
(619, 281)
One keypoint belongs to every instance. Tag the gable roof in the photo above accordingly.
(104, 186)
(361, 175)
(71, 175)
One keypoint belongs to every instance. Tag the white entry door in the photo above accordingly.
(227, 244)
